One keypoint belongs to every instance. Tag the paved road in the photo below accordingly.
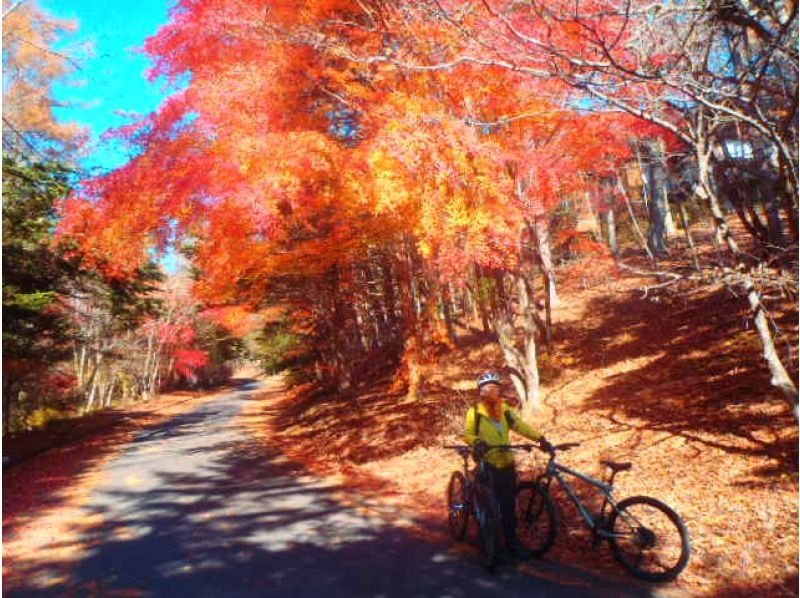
(195, 507)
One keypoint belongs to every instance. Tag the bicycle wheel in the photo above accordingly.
(490, 533)
(649, 539)
(537, 521)
(457, 505)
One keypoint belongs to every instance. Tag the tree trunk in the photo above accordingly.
(751, 226)
(412, 345)
(341, 329)
(362, 332)
(514, 358)
(658, 212)
(661, 192)
(541, 230)
(689, 240)
(774, 224)
(530, 362)
(611, 230)
(788, 199)
(523, 361)
(447, 309)
(780, 377)
(634, 221)
(389, 279)
(481, 290)
(109, 393)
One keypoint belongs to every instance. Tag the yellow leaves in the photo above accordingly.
(29, 70)
(459, 213)
(425, 248)
(390, 187)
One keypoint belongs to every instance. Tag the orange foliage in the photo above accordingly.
(284, 157)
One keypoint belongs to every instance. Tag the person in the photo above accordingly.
(488, 424)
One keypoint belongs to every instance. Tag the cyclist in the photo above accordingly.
(487, 424)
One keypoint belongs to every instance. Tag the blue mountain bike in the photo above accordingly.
(646, 536)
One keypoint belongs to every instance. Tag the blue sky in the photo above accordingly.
(112, 76)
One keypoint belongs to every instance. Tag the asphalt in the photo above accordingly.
(196, 507)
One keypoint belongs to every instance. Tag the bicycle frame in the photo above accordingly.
(555, 470)
(473, 486)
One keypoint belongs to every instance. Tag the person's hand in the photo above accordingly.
(479, 449)
(545, 445)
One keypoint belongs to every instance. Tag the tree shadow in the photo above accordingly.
(766, 589)
(239, 518)
(702, 376)
(375, 423)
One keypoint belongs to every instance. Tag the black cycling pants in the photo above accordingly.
(504, 483)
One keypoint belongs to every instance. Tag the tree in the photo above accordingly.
(341, 185)
(358, 163)
(35, 330)
(31, 65)
(703, 73)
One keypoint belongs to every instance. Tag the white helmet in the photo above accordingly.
(488, 378)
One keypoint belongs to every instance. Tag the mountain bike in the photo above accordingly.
(469, 493)
(646, 536)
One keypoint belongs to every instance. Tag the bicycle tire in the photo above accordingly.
(534, 507)
(490, 533)
(457, 506)
(623, 521)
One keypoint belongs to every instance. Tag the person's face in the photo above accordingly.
(491, 393)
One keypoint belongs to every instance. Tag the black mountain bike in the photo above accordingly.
(646, 536)
(470, 494)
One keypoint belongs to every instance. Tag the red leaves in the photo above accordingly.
(175, 334)
(187, 361)
(242, 164)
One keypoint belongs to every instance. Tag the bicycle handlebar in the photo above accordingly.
(463, 449)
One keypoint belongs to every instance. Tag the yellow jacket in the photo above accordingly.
(496, 433)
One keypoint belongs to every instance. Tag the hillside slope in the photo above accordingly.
(674, 384)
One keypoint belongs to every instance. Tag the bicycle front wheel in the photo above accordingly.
(457, 505)
(649, 539)
(537, 522)
(490, 532)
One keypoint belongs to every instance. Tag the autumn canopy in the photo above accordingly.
(372, 167)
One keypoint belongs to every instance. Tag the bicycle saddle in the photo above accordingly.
(617, 466)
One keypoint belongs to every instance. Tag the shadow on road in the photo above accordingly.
(195, 507)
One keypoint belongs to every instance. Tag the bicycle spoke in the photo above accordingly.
(457, 506)
(655, 546)
(536, 523)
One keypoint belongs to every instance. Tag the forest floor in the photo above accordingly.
(673, 382)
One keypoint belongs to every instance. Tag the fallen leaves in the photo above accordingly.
(730, 473)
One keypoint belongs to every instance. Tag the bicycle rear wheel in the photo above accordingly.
(649, 539)
(457, 505)
(537, 521)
